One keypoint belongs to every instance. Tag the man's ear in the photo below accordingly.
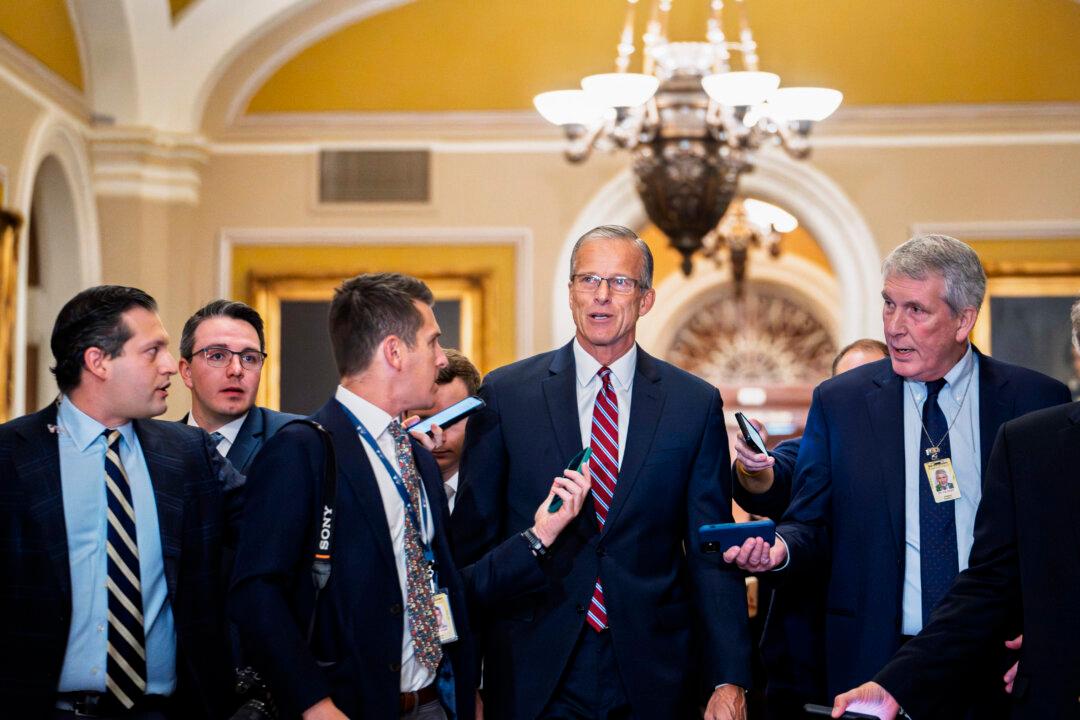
(967, 318)
(393, 351)
(185, 373)
(97, 363)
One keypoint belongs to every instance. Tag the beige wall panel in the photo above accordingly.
(18, 114)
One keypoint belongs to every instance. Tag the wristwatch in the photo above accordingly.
(535, 544)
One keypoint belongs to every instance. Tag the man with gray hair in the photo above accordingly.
(1029, 506)
(865, 510)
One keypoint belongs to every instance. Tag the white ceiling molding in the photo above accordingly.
(36, 81)
(147, 164)
(520, 237)
(1010, 230)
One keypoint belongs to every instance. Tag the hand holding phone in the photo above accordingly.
(750, 434)
(575, 464)
(719, 537)
(449, 416)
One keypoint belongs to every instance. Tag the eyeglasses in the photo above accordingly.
(222, 357)
(619, 284)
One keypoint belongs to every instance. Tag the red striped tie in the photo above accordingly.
(605, 473)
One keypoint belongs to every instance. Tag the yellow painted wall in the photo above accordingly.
(433, 55)
(43, 29)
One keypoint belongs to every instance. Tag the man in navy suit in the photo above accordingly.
(635, 621)
(111, 528)
(793, 642)
(370, 645)
(222, 349)
(864, 510)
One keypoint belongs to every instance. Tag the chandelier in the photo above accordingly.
(691, 124)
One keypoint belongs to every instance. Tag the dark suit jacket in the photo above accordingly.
(846, 519)
(772, 503)
(258, 427)
(1024, 561)
(661, 599)
(189, 480)
(355, 655)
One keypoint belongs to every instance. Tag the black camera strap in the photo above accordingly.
(323, 542)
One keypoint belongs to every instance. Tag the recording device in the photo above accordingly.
(575, 464)
(750, 434)
(819, 710)
(719, 537)
(451, 415)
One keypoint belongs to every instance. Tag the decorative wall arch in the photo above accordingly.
(819, 204)
(54, 139)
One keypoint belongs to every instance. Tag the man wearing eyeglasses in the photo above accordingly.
(636, 623)
(222, 349)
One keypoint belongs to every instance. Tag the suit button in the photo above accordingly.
(394, 666)
(580, 609)
(395, 609)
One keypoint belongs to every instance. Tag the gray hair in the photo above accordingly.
(955, 261)
(618, 232)
(1075, 317)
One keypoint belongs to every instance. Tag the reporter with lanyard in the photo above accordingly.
(391, 635)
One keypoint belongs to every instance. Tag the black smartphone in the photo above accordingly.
(575, 464)
(750, 434)
(453, 414)
(822, 710)
(718, 538)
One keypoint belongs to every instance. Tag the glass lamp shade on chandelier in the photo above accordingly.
(691, 124)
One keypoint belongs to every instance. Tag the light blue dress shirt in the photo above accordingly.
(82, 479)
(966, 455)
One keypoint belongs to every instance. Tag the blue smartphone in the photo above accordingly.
(447, 417)
(719, 537)
(575, 464)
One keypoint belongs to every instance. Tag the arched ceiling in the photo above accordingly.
(440, 55)
(46, 33)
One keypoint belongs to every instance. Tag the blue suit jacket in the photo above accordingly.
(258, 427)
(1024, 560)
(675, 614)
(846, 518)
(355, 656)
(190, 482)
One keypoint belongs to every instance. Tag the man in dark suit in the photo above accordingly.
(864, 510)
(634, 613)
(1023, 563)
(222, 349)
(110, 532)
(374, 648)
(791, 647)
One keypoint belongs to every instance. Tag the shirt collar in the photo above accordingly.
(452, 481)
(622, 369)
(229, 430)
(956, 380)
(83, 429)
(374, 418)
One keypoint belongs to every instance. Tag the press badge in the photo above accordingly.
(444, 618)
(942, 479)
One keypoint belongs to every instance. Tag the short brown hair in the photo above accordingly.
(459, 366)
(367, 309)
(866, 345)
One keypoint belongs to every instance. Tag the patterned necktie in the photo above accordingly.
(421, 607)
(216, 438)
(125, 668)
(604, 465)
(938, 562)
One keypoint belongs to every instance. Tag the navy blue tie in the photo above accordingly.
(937, 521)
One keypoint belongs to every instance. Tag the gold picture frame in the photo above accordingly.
(268, 293)
(10, 222)
(1021, 286)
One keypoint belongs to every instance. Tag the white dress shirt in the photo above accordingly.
(589, 384)
(228, 431)
(414, 676)
(451, 485)
(966, 456)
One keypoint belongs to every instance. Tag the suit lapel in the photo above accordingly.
(885, 404)
(995, 406)
(354, 468)
(38, 471)
(646, 404)
(249, 437)
(167, 479)
(560, 393)
(1070, 458)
